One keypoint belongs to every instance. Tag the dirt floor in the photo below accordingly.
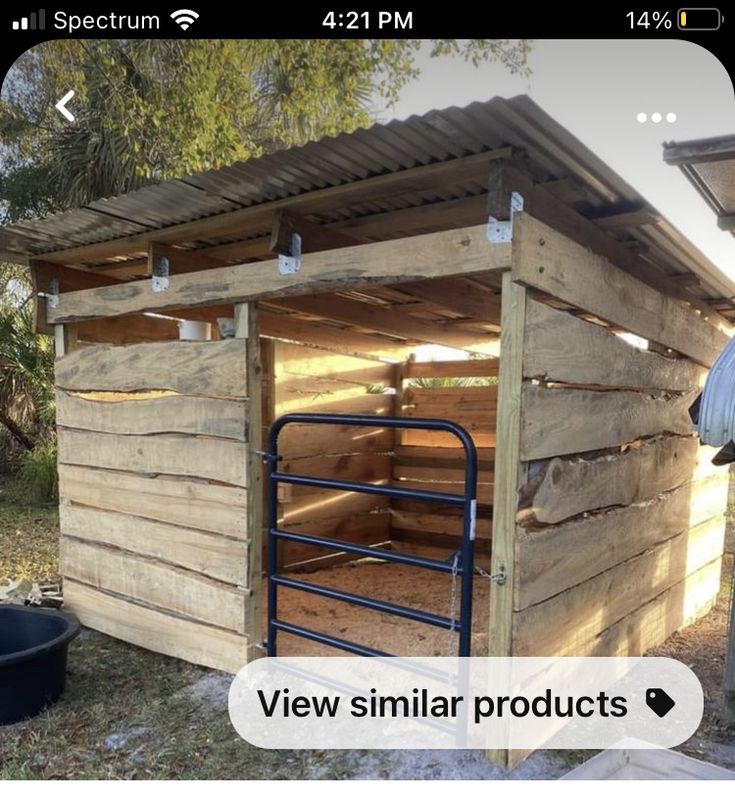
(129, 713)
(402, 585)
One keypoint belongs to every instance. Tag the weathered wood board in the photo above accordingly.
(561, 421)
(555, 558)
(550, 262)
(211, 368)
(155, 629)
(587, 609)
(570, 486)
(212, 554)
(561, 348)
(453, 252)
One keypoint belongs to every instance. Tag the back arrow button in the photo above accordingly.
(61, 106)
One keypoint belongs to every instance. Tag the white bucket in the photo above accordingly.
(195, 331)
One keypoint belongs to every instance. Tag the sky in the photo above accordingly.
(596, 89)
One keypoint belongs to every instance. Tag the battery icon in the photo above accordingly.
(699, 19)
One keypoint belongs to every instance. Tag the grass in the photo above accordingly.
(29, 535)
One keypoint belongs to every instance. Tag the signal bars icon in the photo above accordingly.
(33, 22)
(184, 18)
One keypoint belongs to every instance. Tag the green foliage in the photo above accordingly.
(38, 474)
(152, 109)
(27, 405)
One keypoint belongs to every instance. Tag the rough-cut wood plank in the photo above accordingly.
(562, 348)
(179, 260)
(508, 468)
(212, 368)
(460, 296)
(307, 504)
(387, 320)
(128, 330)
(462, 251)
(151, 581)
(187, 456)
(472, 367)
(587, 609)
(330, 338)
(155, 629)
(214, 508)
(164, 414)
(569, 487)
(298, 395)
(654, 622)
(217, 556)
(561, 421)
(438, 473)
(553, 559)
(304, 441)
(483, 437)
(553, 263)
(295, 363)
(441, 523)
(373, 404)
(367, 529)
(366, 467)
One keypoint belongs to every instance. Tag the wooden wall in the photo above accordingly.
(620, 514)
(436, 461)
(313, 380)
(154, 475)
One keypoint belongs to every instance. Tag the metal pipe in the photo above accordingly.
(366, 602)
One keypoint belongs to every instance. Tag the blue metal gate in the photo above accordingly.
(459, 566)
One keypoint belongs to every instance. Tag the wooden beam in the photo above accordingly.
(507, 176)
(180, 261)
(456, 252)
(624, 219)
(127, 330)
(551, 262)
(417, 179)
(314, 237)
(334, 339)
(459, 295)
(509, 475)
(386, 320)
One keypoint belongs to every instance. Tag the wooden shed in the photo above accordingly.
(573, 337)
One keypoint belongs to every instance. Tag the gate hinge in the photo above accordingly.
(501, 231)
(290, 264)
(161, 271)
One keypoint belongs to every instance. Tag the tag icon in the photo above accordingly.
(659, 701)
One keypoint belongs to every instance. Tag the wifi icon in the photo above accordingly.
(184, 18)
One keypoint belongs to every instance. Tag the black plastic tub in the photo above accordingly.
(33, 647)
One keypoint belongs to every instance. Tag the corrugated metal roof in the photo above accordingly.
(553, 154)
(710, 166)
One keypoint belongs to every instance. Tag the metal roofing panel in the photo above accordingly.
(437, 136)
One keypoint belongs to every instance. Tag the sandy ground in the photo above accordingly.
(403, 585)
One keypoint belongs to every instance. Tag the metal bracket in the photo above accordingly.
(161, 271)
(52, 298)
(499, 231)
(290, 264)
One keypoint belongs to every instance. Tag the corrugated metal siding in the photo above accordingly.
(381, 149)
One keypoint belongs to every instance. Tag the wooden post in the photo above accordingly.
(246, 327)
(728, 687)
(65, 339)
(508, 476)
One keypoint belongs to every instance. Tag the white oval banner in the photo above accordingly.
(465, 703)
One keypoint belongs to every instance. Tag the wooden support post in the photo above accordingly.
(728, 687)
(65, 339)
(246, 327)
(508, 476)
